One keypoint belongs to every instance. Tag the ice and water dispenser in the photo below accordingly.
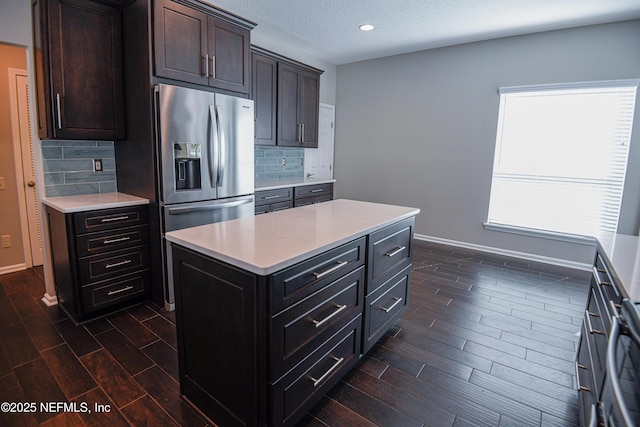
(186, 156)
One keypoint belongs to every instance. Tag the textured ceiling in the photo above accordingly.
(328, 29)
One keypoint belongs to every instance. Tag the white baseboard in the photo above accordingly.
(13, 268)
(506, 252)
(49, 300)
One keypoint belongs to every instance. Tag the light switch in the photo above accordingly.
(2, 187)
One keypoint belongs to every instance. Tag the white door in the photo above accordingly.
(22, 148)
(318, 162)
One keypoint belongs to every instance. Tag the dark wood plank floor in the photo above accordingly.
(488, 341)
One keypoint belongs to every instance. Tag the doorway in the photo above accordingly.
(318, 162)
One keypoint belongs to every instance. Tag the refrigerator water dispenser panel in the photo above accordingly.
(187, 157)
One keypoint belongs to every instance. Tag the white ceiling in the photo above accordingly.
(328, 29)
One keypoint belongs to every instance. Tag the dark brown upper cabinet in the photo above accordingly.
(298, 106)
(264, 83)
(78, 63)
(193, 45)
(287, 96)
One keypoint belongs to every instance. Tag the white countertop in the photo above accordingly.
(623, 252)
(92, 202)
(284, 183)
(267, 243)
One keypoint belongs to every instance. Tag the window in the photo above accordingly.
(561, 157)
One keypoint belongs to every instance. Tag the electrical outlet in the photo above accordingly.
(6, 241)
(97, 165)
(284, 161)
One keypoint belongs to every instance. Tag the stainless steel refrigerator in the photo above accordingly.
(205, 156)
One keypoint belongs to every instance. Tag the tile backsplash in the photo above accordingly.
(68, 167)
(268, 163)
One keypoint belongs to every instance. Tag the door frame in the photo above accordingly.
(18, 162)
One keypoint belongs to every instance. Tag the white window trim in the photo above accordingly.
(570, 85)
(532, 232)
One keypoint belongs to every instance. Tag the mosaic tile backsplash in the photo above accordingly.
(268, 163)
(68, 167)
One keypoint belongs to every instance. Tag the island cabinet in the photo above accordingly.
(100, 259)
(604, 302)
(78, 70)
(261, 349)
(200, 45)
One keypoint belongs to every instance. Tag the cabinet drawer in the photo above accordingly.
(303, 386)
(301, 280)
(313, 190)
(384, 306)
(110, 292)
(101, 267)
(271, 196)
(108, 219)
(606, 284)
(313, 199)
(596, 335)
(584, 378)
(297, 331)
(95, 243)
(388, 248)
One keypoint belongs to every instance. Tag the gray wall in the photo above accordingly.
(419, 129)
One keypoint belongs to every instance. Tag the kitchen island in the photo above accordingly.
(272, 310)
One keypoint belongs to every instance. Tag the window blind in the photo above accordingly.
(561, 157)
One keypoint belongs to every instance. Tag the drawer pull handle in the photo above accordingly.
(397, 301)
(128, 288)
(118, 264)
(317, 190)
(338, 265)
(121, 239)
(326, 374)
(117, 218)
(580, 387)
(614, 309)
(589, 327)
(396, 252)
(277, 196)
(319, 323)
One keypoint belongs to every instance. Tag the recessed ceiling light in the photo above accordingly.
(366, 27)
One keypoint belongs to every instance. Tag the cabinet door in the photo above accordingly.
(228, 48)
(309, 105)
(180, 42)
(85, 44)
(264, 76)
(288, 90)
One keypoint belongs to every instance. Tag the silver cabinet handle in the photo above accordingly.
(590, 329)
(277, 196)
(302, 134)
(580, 387)
(121, 239)
(128, 288)
(317, 190)
(326, 374)
(213, 66)
(338, 265)
(319, 323)
(397, 301)
(396, 252)
(58, 110)
(206, 65)
(118, 264)
(117, 218)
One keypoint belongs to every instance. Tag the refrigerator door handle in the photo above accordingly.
(223, 148)
(213, 145)
(188, 209)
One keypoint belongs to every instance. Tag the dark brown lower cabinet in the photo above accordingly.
(262, 350)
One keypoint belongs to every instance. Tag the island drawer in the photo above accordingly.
(301, 280)
(95, 243)
(104, 266)
(301, 388)
(388, 248)
(107, 293)
(301, 328)
(384, 306)
(107, 219)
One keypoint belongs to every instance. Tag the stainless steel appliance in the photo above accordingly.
(620, 403)
(205, 157)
